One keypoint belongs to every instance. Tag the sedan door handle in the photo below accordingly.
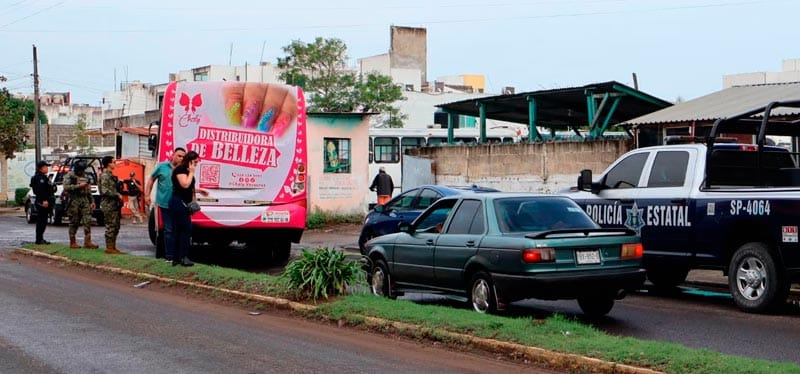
(429, 242)
(470, 243)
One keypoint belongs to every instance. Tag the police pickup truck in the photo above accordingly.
(729, 207)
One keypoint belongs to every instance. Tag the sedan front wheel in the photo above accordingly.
(379, 280)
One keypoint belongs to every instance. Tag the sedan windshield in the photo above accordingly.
(532, 214)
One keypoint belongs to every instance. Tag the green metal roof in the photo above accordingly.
(597, 105)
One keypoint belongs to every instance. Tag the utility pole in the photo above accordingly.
(38, 128)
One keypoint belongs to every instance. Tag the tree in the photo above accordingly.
(320, 68)
(376, 93)
(81, 139)
(12, 126)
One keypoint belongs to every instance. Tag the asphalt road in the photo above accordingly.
(694, 317)
(72, 320)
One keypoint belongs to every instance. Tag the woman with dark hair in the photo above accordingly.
(183, 193)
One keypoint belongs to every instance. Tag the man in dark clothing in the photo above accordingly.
(43, 189)
(384, 185)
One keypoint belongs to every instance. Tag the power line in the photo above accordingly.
(32, 14)
(428, 22)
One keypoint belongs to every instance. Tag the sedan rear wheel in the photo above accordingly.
(482, 294)
(379, 280)
(596, 305)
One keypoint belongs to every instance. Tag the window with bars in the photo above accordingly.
(387, 149)
(337, 155)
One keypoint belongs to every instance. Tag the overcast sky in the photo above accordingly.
(678, 48)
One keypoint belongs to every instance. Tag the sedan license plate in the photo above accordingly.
(588, 257)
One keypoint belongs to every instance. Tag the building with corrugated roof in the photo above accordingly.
(695, 117)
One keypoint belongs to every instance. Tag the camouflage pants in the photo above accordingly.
(80, 213)
(111, 216)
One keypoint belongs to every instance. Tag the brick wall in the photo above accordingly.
(530, 167)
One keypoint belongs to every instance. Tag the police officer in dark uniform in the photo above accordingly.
(45, 199)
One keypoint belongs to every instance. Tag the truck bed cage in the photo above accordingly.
(759, 167)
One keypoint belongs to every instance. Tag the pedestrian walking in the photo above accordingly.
(162, 175)
(134, 188)
(110, 204)
(81, 204)
(384, 185)
(43, 189)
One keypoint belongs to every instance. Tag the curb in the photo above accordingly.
(551, 359)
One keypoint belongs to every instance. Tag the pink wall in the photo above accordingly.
(338, 193)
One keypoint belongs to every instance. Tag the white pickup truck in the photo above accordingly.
(724, 206)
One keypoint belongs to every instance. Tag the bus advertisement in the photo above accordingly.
(251, 139)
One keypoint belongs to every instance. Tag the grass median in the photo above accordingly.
(557, 333)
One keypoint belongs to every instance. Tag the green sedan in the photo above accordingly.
(492, 249)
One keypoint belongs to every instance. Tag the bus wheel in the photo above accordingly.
(281, 252)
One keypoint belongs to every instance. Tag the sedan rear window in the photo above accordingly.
(533, 214)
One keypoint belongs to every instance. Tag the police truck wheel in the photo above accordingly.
(29, 213)
(756, 283)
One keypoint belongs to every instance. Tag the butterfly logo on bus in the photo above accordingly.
(190, 105)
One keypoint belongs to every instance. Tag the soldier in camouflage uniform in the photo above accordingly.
(110, 204)
(81, 204)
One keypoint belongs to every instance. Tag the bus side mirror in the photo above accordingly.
(585, 180)
(152, 142)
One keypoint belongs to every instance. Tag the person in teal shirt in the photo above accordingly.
(162, 174)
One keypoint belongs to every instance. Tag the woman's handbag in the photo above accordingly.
(193, 207)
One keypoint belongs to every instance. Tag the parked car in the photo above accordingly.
(384, 219)
(495, 248)
(30, 201)
(56, 176)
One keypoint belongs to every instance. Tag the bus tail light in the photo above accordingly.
(632, 250)
(535, 255)
(300, 181)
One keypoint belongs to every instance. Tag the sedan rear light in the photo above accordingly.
(632, 250)
(534, 255)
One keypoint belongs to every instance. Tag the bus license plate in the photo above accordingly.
(588, 257)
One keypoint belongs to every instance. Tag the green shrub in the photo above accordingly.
(321, 218)
(19, 195)
(323, 273)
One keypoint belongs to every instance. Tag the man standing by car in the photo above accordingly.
(81, 204)
(110, 203)
(134, 191)
(384, 184)
(163, 175)
(43, 189)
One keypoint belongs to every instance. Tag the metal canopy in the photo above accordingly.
(597, 106)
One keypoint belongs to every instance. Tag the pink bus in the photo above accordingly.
(251, 138)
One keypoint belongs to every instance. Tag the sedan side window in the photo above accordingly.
(465, 216)
(403, 202)
(427, 197)
(433, 219)
(627, 172)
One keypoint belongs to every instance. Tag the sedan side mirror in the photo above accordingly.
(405, 227)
